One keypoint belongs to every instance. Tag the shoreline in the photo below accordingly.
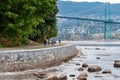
(89, 56)
(21, 60)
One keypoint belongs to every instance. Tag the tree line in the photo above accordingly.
(24, 20)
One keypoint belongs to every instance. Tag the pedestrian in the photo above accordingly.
(59, 41)
(45, 42)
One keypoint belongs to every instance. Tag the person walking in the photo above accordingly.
(45, 42)
(59, 41)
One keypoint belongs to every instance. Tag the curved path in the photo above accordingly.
(45, 55)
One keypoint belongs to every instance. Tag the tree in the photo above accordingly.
(19, 20)
(48, 28)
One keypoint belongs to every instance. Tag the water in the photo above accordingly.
(107, 57)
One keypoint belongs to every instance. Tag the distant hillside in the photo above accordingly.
(67, 7)
(85, 30)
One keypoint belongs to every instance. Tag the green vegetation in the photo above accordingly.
(21, 20)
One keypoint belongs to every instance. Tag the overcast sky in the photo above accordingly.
(111, 1)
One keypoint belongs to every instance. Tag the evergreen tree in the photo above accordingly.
(22, 19)
(48, 28)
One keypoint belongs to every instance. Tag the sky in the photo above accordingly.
(111, 1)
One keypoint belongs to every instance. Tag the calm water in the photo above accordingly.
(107, 56)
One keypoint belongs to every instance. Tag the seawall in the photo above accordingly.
(20, 60)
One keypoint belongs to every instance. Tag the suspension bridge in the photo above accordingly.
(107, 21)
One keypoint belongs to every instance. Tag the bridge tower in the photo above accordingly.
(107, 27)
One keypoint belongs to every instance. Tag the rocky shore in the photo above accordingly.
(22, 60)
(87, 67)
(91, 63)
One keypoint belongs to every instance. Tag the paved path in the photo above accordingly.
(40, 46)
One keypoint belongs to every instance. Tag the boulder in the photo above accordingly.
(80, 69)
(97, 57)
(63, 77)
(77, 64)
(82, 78)
(51, 77)
(97, 48)
(40, 74)
(84, 65)
(106, 71)
(83, 74)
(94, 68)
(72, 75)
(116, 63)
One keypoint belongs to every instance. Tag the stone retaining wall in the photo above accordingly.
(18, 60)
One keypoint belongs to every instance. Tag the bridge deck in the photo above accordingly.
(87, 19)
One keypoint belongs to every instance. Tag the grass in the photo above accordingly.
(1, 46)
(30, 46)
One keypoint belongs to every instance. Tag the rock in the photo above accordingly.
(83, 74)
(51, 77)
(84, 57)
(97, 57)
(94, 68)
(80, 60)
(97, 48)
(103, 49)
(82, 78)
(84, 65)
(63, 77)
(72, 75)
(40, 74)
(80, 69)
(97, 76)
(78, 56)
(77, 64)
(106, 71)
(116, 63)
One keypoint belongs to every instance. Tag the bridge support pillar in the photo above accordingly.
(107, 27)
(105, 32)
